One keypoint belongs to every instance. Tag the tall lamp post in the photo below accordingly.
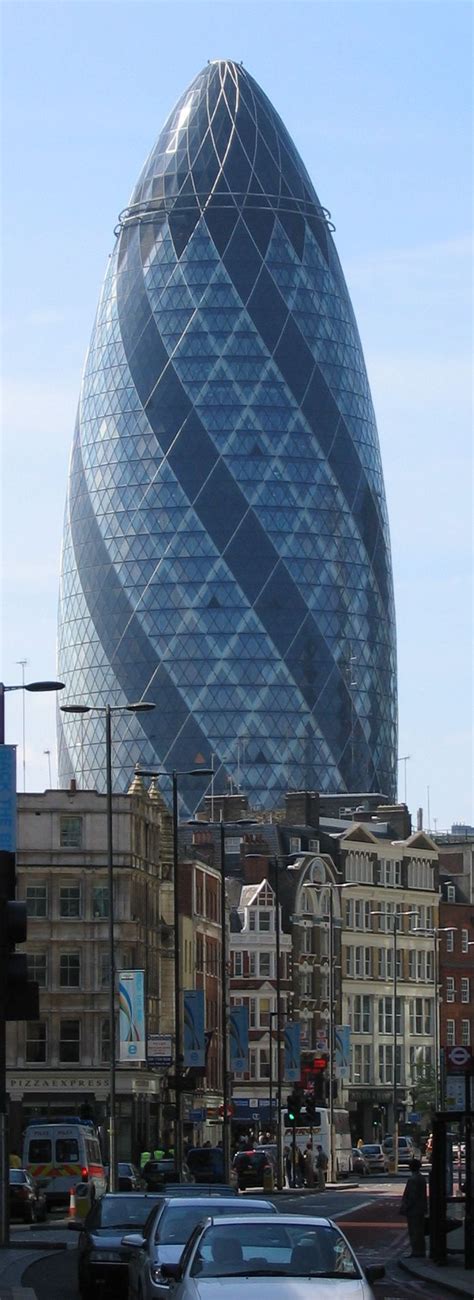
(396, 918)
(330, 885)
(199, 771)
(143, 706)
(38, 687)
(433, 932)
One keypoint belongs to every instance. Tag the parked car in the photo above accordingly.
(166, 1233)
(293, 1253)
(157, 1173)
(406, 1149)
(251, 1165)
(206, 1164)
(129, 1177)
(101, 1257)
(376, 1158)
(360, 1164)
(27, 1200)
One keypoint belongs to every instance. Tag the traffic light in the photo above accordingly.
(293, 1109)
(310, 1104)
(21, 994)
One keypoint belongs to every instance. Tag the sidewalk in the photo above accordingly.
(451, 1276)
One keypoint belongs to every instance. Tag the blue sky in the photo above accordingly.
(378, 98)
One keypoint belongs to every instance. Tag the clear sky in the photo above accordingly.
(377, 97)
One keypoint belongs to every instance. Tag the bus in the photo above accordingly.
(318, 1133)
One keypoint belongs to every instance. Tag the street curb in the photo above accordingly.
(446, 1283)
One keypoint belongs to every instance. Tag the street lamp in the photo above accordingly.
(396, 918)
(4, 1156)
(433, 932)
(199, 771)
(330, 885)
(143, 706)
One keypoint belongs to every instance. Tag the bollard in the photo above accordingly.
(268, 1179)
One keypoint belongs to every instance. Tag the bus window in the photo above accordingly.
(67, 1149)
(39, 1151)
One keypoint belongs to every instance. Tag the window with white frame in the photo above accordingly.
(465, 991)
(368, 962)
(362, 1014)
(420, 965)
(450, 988)
(349, 913)
(265, 1007)
(450, 941)
(295, 843)
(265, 965)
(36, 900)
(37, 965)
(359, 962)
(104, 970)
(104, 1046)
(358, 914)
(70, 902)
(36, 1041)
(238, 963)
(465, 1033)
(429, 967)
(385, 1016)
(385, 1062)
(70, 832)
(464, 940)
(264, 1063)
(252, 963)
(350, 964)
(412, 965)
(451, 893)
(450, 1033)
(264, 922)
(430, 917)
(69, 970)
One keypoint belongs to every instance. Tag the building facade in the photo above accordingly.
(226, 546)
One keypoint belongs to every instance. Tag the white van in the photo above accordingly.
(59, 1156)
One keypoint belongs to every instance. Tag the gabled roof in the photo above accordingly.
(359, 834)
(249, 893)
(421, 840)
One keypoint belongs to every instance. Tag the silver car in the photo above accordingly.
(300, 1257)
(165, 1235)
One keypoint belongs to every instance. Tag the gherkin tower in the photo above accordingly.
(226, 547)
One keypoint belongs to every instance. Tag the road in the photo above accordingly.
(368, 1215)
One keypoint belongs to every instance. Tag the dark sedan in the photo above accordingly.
(157, 1173)
(101, 1257)
(27, 1200)
(129, 1177)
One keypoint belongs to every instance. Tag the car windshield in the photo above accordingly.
(250, 1159)
(253, 1250)
(177, 1222)
(122, 1211)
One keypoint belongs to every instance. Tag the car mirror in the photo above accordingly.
(374, 1272)
(171, 1270)
(133, 1239)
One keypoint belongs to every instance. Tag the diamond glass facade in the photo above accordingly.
(226, 546)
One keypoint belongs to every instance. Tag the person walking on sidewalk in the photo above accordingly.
(321, 1167)
(414, 1205)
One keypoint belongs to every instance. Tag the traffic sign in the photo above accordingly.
(459, 1058)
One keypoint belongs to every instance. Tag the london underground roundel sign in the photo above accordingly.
(459, 1057)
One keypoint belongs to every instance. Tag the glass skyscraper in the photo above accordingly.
(226, 545)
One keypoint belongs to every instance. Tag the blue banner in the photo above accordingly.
(343, 1052)
(132, 1016)
(194, 1038)
(239, 1039)
(292, 1042)
(8, 798)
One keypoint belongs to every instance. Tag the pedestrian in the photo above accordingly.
(144, 1158)
(414, 1205)
(300, 1168)
(321, 1167)
(308, 1165)
(287, 1159)
(360, 1143)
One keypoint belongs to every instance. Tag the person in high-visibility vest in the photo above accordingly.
(158, 1154)
(145, 1155)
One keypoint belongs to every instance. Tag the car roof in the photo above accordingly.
(302, 1220)
(125, 1196)
(230, 1200)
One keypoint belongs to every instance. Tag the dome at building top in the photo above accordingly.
(223, 142)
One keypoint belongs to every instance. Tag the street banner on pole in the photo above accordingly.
(8, 798)
(292, 1041)
(132, 1015)
(342, 1068)
(239, 1039)
(194, 1036)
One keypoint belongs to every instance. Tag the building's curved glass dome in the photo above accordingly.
(226, 546)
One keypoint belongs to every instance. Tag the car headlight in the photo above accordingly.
(106, 1257)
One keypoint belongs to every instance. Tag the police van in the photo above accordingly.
(61, 1155)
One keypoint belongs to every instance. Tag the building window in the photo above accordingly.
(264, 1009)
(36, 1041)
(104, 970)
(451, 893)
(295, 843)
(36, 900)
(252, 963)
(450, 1033)
(70, 901)
(69, 970)
(264, 1063)
(100, 901)
(465, 941)
(37, 964)
(429, 967)
(264, 921)
(465, 995)
(237, 963)
(265, 965)
(450, 941)
(253, 1067)
(69, 1041)
(199, 894)
(450, 989)
(412, 965)
(465, 1033)
(252, 919)
(70, 832)
(385, 1016)
(362, 1015)
(104, 1040)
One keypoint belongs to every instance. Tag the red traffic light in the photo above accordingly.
(320, 1063)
